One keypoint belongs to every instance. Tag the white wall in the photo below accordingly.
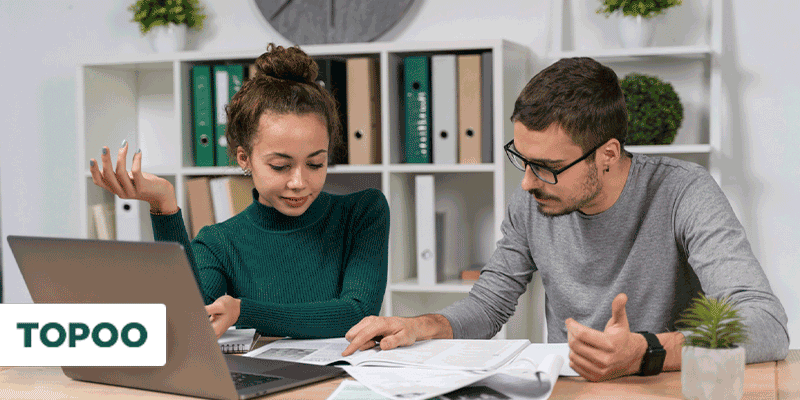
(42, 41)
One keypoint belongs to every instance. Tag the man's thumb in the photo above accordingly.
(618, 314)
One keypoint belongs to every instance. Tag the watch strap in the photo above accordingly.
(653, 360)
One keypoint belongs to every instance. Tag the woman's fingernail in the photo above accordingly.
(91, 163)
(138, 151)
(105, 151)
(124, 143)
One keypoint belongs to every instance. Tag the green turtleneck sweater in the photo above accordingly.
(311, 276)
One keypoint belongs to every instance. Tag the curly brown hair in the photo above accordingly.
(284, 83)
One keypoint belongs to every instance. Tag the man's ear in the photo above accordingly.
(608, 154)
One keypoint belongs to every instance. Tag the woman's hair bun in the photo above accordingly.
(287, 63)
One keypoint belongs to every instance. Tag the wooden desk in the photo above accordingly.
(770, 380)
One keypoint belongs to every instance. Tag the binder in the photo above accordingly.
(416, 81)
(128, 220)
(201, 209)
(444, 108)
(470, 115)
(363, 111)
(227, 80)
(238, 340)
(203, 116)
(230, 195)
(425, 204)
(103, 215)
(333, 77)
(487, 147)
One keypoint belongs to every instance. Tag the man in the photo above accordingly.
(606, 229)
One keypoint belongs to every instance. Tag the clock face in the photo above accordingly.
(332, 21)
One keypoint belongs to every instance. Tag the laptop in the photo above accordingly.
(58, 270)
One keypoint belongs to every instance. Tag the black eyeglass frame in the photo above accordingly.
(530, 164)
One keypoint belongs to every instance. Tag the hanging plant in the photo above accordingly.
(655, 111)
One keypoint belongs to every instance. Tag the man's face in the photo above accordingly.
(578, 187)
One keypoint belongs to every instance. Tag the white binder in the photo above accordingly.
(444, 108)
(426, 229)
(128, 219)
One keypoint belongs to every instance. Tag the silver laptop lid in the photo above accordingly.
(91, 271)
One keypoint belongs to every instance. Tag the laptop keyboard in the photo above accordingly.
(246, 380)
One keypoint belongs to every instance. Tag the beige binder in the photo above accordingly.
(469, 109)
(201, 210)
(363, 111)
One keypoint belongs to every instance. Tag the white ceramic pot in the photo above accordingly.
(636, 31)
(168, 38)
(716, 374)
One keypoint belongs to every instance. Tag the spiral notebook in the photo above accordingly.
(237, 340)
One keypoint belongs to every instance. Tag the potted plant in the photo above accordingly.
(166, 21)
(655, 111)
(636, 25)
(712, 358)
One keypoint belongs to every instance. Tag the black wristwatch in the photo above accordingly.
(653, 361)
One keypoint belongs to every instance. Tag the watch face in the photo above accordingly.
(332, 21)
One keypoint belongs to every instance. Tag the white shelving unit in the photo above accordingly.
(688, 59)
(146, 101)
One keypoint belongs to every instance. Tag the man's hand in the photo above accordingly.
(392, 332)
(615, 352)
(223, 313)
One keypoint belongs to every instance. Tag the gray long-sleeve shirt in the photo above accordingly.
(670, 234)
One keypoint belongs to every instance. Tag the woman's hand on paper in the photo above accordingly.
(133, 184)
(223, 313)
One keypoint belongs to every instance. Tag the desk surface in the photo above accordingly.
(770, 380)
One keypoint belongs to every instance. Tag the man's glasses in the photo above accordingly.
(546, 174)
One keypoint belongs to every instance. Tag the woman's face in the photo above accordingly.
(289, 161)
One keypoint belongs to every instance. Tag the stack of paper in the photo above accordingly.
(432, 368)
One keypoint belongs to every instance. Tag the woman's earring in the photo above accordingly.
(247, 171)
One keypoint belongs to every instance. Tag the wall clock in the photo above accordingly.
(332, 21)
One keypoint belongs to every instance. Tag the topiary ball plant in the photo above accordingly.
(655, 111)
(150, 13)
(632, 8)
(712, 324)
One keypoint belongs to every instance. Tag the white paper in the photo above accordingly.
(353, 390)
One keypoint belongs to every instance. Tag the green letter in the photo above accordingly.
(62, 334)
(28, 327)
(96, 334)
(142, 334)
(73, 336)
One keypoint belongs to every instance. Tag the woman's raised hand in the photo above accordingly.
(133, 184)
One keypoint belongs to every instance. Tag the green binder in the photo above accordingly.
(417, 83)
(203, 118)
(227, 81)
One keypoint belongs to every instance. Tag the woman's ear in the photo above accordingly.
(242, 158)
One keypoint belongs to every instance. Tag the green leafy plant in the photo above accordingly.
(150, 13)
(633, 8)
(712, 323)
(655, 111)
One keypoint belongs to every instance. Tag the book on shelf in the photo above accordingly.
(202, 116)
(201, 207)
(416, 83)
(103, 218)
(470, 125)
(433, 367)
(363, 111)
(230, 195)
(444, 108)
(333, 78)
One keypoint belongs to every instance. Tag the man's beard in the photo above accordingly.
(591, 188)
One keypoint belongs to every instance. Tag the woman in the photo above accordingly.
(298, 261)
